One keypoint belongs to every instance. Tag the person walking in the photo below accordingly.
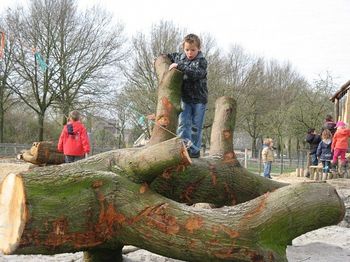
(74, 141)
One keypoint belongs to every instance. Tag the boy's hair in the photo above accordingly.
(192, 39)
(326, 134)
(74, 115)
(267, 141)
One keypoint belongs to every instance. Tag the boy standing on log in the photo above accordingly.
(74, 141)
(194, 96)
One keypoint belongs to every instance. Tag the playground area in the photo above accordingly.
(325, 244)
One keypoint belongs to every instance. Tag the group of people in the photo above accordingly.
(330, 145)
(74, 141)
(325, 148)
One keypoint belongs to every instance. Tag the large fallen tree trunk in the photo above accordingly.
(126, 197)
(83, 209)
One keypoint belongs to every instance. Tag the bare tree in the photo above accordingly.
(87, 50)
(63, 57)
(31, 32)
(7, 99)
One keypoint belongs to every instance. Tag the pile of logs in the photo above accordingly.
(144, 197)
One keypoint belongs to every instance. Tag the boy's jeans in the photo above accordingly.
(191, 121)
(267, 169)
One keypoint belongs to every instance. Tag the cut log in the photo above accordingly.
(13, 212)
(221, 139)
(213, 181)
(84, 210)
(218, 179)
(169, 96)
(139, 164)
(44, 152)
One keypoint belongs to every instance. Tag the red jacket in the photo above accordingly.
(340, 139)
(74, 140)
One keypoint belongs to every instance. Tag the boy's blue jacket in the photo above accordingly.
(194, 86)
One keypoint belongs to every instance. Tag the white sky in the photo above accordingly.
(313, 35)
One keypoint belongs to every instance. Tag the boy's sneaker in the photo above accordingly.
(195, 155)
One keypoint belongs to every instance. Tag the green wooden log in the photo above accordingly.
(221, 139)
(79, 210)
(218, 179)
(169, 97)
(214, 181)
(141, 165)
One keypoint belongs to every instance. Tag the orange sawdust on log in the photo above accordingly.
(225, 253)
(158, 218)
(230, 194)
(194, 223)
(97, 184)
(259, 208)
(187, 193)
(229, 231)
(213, 173)
(229, 157)
(227, 134)
(143, 188)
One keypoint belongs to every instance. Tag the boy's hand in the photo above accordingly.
(173, 65)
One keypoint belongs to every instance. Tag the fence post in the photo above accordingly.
(246, 158)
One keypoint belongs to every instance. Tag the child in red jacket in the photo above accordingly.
(340, 143)
(74, 141)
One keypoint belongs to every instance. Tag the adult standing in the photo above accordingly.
(313, 139)
(329, 124)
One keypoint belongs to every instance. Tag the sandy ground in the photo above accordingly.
(328, 244)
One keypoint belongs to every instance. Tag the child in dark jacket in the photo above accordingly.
(324, 151)
(313, 139)
(194, 92)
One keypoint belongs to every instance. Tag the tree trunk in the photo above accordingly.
(221, 140)
(168, 106)
(84, 210)
(44, 152)
(41, 117)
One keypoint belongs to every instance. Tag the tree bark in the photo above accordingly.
(221, 140)
(44, 152)
(94, 210)
(169, 96)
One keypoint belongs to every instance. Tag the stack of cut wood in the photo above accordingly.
(42, 153)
